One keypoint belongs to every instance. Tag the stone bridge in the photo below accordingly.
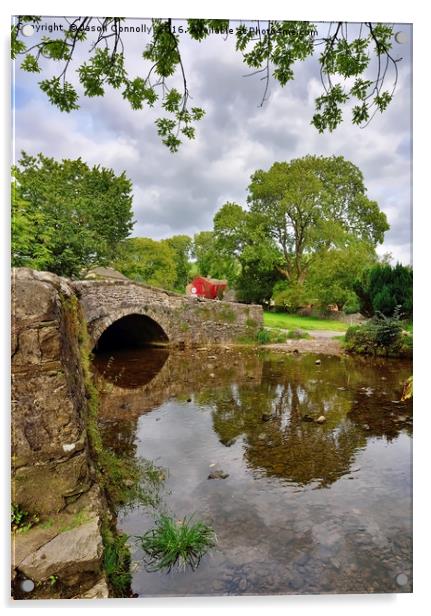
(124, 313)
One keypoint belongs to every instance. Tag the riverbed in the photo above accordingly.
(306, 507)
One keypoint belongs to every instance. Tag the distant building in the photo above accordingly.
(210, 288)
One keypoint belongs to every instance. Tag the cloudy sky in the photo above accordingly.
(179, 193)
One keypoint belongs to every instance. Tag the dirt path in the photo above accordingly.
(319, 344)
(323, 333)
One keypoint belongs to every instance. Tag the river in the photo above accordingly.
(306, 507)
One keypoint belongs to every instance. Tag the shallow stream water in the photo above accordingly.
(306, 507)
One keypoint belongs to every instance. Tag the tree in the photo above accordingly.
(333, 273)
(146, 260)
(182, 247)
(355, 65)
(310, 205)
(382, 288)
(304, 216)
(211, 260)
(67, 216)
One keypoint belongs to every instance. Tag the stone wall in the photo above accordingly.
(53, 475)
(187, 321)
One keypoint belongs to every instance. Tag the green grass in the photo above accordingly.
(282, 320)
(171, 543)
(21, 520)
(116, 563)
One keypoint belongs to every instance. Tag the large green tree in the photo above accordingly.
(67, 216)
(303, 215)
(313, 204)
(356, 63)
(149, 261)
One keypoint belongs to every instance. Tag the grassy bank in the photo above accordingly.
(282, 320)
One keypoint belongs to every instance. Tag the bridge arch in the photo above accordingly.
(129, 328)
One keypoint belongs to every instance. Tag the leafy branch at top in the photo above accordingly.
(355, 60)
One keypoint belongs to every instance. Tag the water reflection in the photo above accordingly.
(131, 368)
(279, 531)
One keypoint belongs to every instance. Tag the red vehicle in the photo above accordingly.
(210, 288)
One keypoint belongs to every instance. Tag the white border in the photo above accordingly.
(414, 12)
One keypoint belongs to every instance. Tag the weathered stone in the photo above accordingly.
(45, 488)
(75, 551)
(99, 591)
(186, 321)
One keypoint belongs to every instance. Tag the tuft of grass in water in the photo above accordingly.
(180, 544)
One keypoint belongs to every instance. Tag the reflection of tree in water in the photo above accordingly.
(278, 442)
(119, 437)
(264, 401)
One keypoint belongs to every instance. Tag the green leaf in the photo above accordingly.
(63, 95)
(30, 64)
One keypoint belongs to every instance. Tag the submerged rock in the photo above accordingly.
(307, 418)
(218, 474)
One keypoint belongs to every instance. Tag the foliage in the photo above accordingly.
(146, 260)
(297, 334)
(309, 224)
(282, 320)
(348, 74)
(182, 247)
(310, 205)
(333, 273)
(22, 520)
(254, 285)
(382, 287)
(351, 305)
(116, 562)
(263, 336)
(172, 543)
(290, 296)
(67, 216)
(211, 260)
(382, 335)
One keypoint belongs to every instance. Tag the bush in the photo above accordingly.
(172, 543)
(382, 288)
(290, 296)
(380, 336)
(263, 336)
(352, 305)
(297, 334)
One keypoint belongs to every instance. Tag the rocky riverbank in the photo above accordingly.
(54, 481)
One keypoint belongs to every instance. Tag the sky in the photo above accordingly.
(180, 193)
